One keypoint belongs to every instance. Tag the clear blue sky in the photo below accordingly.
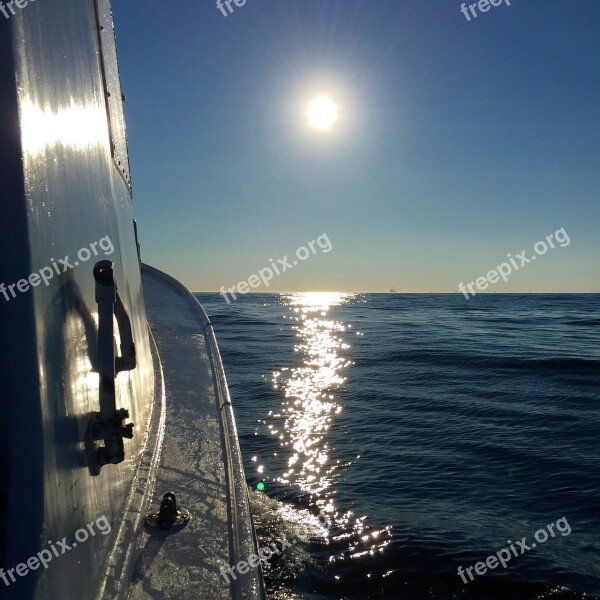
(458, 141)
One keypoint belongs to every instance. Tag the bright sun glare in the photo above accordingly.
(322, 113)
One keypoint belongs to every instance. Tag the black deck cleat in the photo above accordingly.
(168, 516)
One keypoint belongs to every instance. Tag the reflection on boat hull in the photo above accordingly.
(65, 180)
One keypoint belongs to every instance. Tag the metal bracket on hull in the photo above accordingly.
(108, 424)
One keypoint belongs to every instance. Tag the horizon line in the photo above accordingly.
(408, 293)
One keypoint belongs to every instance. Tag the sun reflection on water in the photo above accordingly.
(311, 390)
(309, 405)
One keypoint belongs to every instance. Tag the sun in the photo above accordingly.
(322, 113)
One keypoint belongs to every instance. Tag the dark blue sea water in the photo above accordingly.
(431, 430)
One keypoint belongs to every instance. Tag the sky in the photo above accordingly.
(457, 141)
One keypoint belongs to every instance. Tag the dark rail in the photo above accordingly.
(108, 424)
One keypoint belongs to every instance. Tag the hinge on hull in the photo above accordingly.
(108, 424)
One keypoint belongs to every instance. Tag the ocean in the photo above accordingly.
(402, 437)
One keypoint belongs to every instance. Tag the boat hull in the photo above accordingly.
(65, 188)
